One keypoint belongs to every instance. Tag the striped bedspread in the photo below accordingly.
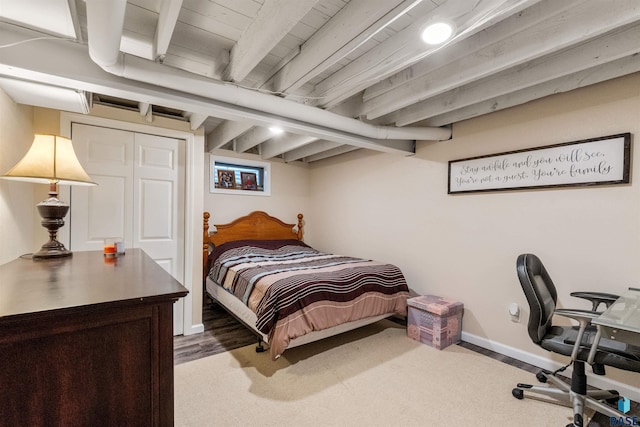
(295, 289)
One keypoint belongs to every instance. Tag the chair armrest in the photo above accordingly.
(584, 318)
(579, 315)
(596, 298)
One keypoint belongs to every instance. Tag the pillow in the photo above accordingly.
(264, 244)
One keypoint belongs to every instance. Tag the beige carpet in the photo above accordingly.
(374, 376)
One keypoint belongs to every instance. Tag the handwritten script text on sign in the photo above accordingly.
(595, 161)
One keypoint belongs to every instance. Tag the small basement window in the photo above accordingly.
(238, 176)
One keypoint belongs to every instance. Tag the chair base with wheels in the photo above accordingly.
(573, 395)
(583, 344)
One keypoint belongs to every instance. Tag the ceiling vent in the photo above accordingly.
(126, 104)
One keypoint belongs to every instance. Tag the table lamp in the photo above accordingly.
(51, 160)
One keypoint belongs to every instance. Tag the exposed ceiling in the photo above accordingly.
(337, 75)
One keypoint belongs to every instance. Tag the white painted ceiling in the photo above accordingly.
(338, 75)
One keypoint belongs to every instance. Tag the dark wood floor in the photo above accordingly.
(222, 332)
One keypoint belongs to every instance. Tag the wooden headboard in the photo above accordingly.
(257, 225)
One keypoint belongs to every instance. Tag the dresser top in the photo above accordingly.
(85, 279)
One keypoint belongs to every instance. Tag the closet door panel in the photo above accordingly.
(139, 197)
(104, 210)
(158, 205)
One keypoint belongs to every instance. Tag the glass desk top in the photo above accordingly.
(623, 315)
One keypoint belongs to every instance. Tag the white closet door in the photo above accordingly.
(106, 209)
(139, 197)
(158, 206)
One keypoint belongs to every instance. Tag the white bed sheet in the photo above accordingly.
(240, 310)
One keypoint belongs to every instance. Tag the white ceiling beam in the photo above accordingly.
(144, 108)
(196, 120)
(265, 80)
(167, 19)
(57, 18)
(281, 144)
(405, 47)
(330, 153)
(601, 73)
(275, 20)
(137, 44)
(225, 132)
(250, 139)
(42, 95)
(502, 30)
(566, 29)
(292, 115)
(352, 26)
(611, 47)
(309, 150)
(73, 10)
(69, 65)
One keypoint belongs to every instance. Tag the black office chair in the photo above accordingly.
(572, 341)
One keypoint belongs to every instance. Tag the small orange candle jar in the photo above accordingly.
(110, 247)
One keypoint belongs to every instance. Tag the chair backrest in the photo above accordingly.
(540, 292)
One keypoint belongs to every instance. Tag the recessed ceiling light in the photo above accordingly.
(437, 33)
(276, 130)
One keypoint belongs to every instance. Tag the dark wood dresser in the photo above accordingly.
(87, 341)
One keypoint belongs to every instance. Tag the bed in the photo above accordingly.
(258, 269)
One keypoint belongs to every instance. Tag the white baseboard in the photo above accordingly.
(194, 329)
(601, 382)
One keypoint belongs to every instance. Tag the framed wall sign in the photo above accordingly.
(597, 161)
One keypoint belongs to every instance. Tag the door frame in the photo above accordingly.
(194, 186)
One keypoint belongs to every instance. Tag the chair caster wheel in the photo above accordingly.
(577, 421)
(517, 393)
(613, 400)
(541, 377)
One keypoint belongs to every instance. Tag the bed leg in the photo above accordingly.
(259, 347)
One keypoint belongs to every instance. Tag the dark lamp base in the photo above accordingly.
(52, 212)
(53, 249)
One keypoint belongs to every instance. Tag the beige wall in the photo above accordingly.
(17, 203)
(465, 246)
(289, 193)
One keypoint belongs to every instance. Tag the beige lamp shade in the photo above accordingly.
(50, 159)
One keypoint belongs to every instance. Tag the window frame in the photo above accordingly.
(241, 164)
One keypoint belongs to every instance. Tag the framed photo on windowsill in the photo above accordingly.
(249, 181)
(237, 176)
(226, 179)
